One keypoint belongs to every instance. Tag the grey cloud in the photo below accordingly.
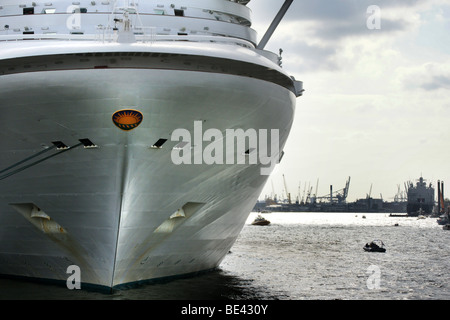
(437, 82)
(322, 10)
(303, 56)
(341, 10)
(343, 29)
(317, 58)
(335, 20)
(428, 77)
(328, 23)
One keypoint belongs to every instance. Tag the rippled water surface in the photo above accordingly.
(320, 256)
(304, 256)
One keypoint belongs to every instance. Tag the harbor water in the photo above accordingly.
(303, 256)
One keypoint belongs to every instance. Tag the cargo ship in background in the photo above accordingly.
(90, 94)
(420, 198)
(415, 200)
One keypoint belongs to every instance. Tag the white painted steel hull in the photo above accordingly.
(113, 203)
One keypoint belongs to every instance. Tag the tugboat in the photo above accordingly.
(375, 246)
(260, 221)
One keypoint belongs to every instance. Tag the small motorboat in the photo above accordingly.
(260, 221)
(442, 220)
(375, 246)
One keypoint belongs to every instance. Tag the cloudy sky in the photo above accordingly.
(377, 101)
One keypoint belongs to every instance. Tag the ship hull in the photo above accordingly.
(414, 209)
(420, 198)
(110, 209)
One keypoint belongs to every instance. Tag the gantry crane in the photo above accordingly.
(288, 195)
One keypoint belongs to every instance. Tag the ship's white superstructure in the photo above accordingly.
(91, 93)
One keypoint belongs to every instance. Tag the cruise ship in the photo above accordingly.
(92, 94)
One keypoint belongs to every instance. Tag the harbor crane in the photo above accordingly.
(370, 192)
(303, 196)
(288, 195)
(400, 196)
(297, 201)
(338, 196)
(308, 195)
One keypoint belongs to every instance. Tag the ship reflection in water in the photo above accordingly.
(308, 255)
(214, 285)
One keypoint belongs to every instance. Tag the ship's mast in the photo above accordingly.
(274, 24)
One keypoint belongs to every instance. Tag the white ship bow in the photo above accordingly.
(87, 176)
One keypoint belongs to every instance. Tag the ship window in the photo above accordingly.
(28, 32)
(79, 10)
(28, 10)
(60, 145)
(158, 144)
(87, 143)
(158, 11)
(49, 10)
(179, 13)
